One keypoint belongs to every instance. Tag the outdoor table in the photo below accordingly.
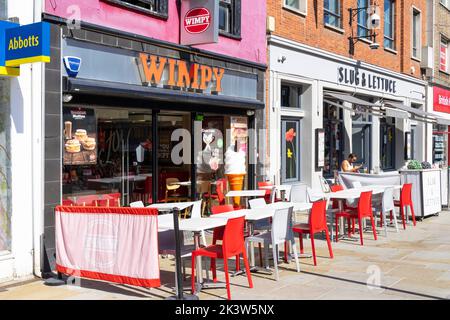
(246, 194)
(168, 206)
(282, 188)
(355, 193)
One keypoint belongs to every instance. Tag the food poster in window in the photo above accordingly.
(210, 164)
(80, 136)
(239, 133)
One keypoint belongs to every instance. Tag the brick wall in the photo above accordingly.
(309, 29)
(442, 26)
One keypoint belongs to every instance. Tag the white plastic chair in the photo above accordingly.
(196, 212)
(280, 233)
(137, 204)
(257, 203)
(298, 193)
(387, 205)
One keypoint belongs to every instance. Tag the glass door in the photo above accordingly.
(290, 150)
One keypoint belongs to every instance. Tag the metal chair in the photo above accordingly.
(280, 233)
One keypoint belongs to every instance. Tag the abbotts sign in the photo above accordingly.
(171, 73)
(197, 20)
(200, 22)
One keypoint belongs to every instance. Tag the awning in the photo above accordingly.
(348, 98)
(419, 115)
(353, 100)
(395, 113)
(442, 118)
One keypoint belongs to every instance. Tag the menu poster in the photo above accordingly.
(408, 146)
(80, 136)
(239, 132)
(320, 149)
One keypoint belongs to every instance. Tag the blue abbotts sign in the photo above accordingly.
(23, 44)
(27, 44)
(4, 70)
(73, 65)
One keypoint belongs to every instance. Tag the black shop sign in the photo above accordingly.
(355, 77)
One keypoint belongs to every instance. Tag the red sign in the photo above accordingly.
(441, 100)
(197, 20)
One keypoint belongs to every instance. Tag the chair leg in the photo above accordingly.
(374, 230)
(402, 214)
(327, 235)
(266, 254)
(227, 277)
(300, 238)
(193, 274)
(353, 225)
(412, 214)
(294, 248)
(337, 229)
(313, 248)
(247, 269)
(360, 231)
(383, 214)
(395, 220)
(349, 231)
(260, 254)
(214, 269)
(275, 260)
(285, 252)
(238, 262)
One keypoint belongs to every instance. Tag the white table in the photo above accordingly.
(168, 206)
(246, 193)
(281, 188)
(355, 193)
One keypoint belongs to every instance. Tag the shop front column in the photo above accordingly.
(375, 141)
(347, 128)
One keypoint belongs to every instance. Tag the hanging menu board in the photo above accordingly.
(80, 136)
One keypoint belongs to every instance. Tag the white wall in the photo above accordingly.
(19, 264)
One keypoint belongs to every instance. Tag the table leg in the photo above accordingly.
(198, 266)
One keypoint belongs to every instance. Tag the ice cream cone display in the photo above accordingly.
(235, 170)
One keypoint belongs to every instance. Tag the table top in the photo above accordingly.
(171, 205)
(355, 193)
(189, 183)
(249, 214)
(246, 193)
(194, 224)
(280, 187)
(298, 206)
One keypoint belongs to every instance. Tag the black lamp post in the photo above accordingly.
(352, 39)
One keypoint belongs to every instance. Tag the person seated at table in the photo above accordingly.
(347, 165)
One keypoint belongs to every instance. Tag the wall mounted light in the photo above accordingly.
(372, 23)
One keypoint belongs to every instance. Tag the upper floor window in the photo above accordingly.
(389, 24)
(363, 31)
(230, 17)
(296, 5)
(3, 10)
(416, 34)
(332, 13)
(291, 95)
(444, 55)
(155, 7)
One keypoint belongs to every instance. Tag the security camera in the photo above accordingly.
(374, 21)
(374, 45)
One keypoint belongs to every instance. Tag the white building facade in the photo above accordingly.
(309, 90)
(21, 134)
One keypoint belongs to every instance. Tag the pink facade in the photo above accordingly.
(251, 47)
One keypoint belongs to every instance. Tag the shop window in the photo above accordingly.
(155, 7)
(361, 138)
(444, 55)
(389, 24)
(416, 41)
(439, 144)
(5, 166)
(291, 95)
(3, 10)
(334, 139)
(230, 17)
(290, 150)
(296, 5)
(332, 13)
(387, 143)
(363, 31)
(414, 142)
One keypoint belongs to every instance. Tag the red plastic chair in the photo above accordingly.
(268, 195)
(317, 222)
(364, 210)
(67, 202)
(405, 201)
(233, 245)
(145, 193)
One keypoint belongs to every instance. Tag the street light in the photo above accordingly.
(372, 23)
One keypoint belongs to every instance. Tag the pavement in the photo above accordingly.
(411, 264)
